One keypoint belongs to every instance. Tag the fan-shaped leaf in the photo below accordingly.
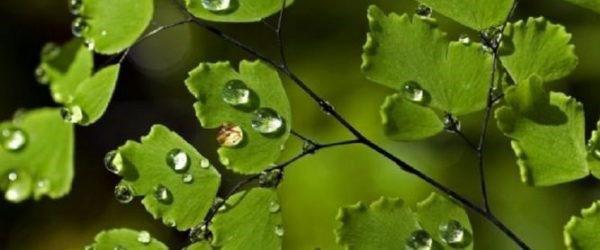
(404, 120)
(36, 156)
(436, 211)
(263, 90)
(64, 68)
(147, 171)
(476, 14)
(251, 220)
(402, 50)
(239, 11)
(581, 233)
(547, 133)
(537, 47)
(114, 25)
(126, 239)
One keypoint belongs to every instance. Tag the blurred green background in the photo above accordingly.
(324, 40)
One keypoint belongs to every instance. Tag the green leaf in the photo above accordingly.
(547, 134)
(399, 50)
(114, 25)
(590, 4)
(476, 14)
(385, 224)
(594, 152)
(239, 11)
(257, 151)
(581, 233)
(404, 120)
(146, 169)
(437, 210)
(203, 245)
(126, 239)
(93, 95)
(44, 164)
(251, 220)
(65, 67)
(537, 47)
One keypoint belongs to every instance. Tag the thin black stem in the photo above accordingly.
(466, 139)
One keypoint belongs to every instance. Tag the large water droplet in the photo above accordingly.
(230, 135)
(454, 234)
(72, 114)
(274, 207)
(144, 238)
(187, 178)
(113, 162)
(17, 186)
(279, 231)
(204, 163)
(414, 92)
(236, 93)
(13, 139)
(162, 194)
(78, 27)
(267, 121)
(178, 160)
(419, 240)
(123, 193)
(216, 5)
(76, 6)
(270, 178)
(423, 10)
(40, 75)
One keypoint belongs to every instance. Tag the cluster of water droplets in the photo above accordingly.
(264, 120)
(217, 5)
(80, 25)
(492, 38)
(49, 52)
(13, 138)
(452, 233)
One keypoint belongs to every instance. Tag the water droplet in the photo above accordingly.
(13, 139)
(454, 234)
(279, 231)
(187, 178)
(50, 51)
(78, 27)
(274, 207)
(492, 38)
(216, 5)
(42, 186)
(235, 93)
(419, 240)
(12, 176)
(41, 76)
(414, 92)
(266, 121)
(17, 186)
(144, 238)
(123, 193)
(75, 6)
(198, 233)
(221, 204)
(178, 160)
(270, 178)
(451, 123)
(204, 163)
(90, 44)
(230, 135)
(72, 114)
(162, 194)
(464, 39)
(423, 10)
(113, 162)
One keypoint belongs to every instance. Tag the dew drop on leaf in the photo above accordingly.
(178, 160)
(42, 186)
(414, 92)
(452, 124)
(50, 51)
(216, 5)
(72, 114)
(123, 193)
(76, 6)
(187, 178)
(267, 121)
(274, 207)
(41, 76)
(230, 135)
(162, 194)
(419, 240)
(204, 163)
(144, 238)
(78, 27)
(222, 205)
(18, 186)
(279, 231)
(423, 10)
(113, 162)
(235, 93)
(13, 139)
(454, 234)
(464, 39)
